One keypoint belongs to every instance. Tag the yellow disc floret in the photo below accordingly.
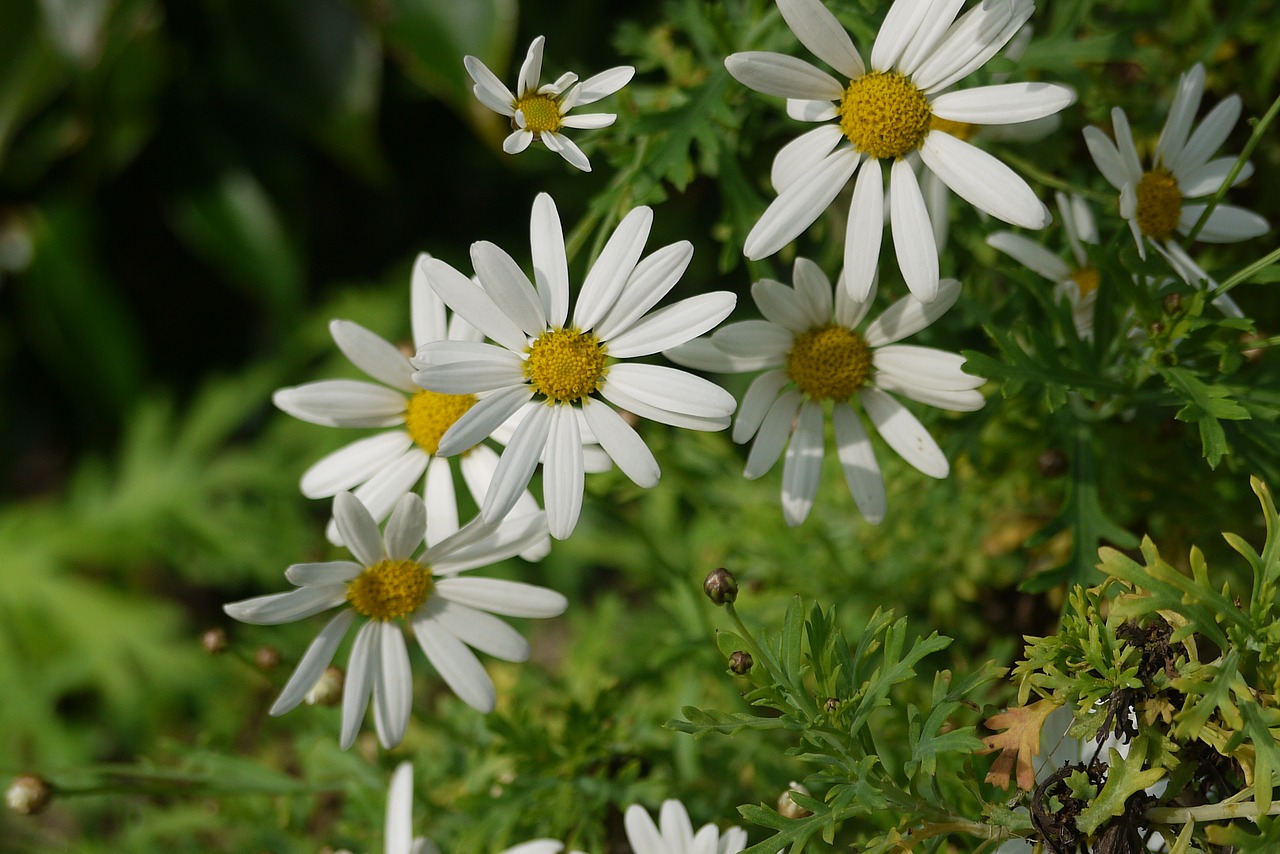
(884, 115)
(960, 130)
(1087, 280)
(565, 365)
(541, 112)
(390, 589)
(829, 362)
(1159, 204)
(431, 413)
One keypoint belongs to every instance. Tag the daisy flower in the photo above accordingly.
(541, 112)
(390, 588)
(383, 467)
(1077, 282)
(886, 113)
(674, 833)
(554, 371)
(810, 357)
(1152, 200)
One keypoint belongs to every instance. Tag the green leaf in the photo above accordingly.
(1125, 778)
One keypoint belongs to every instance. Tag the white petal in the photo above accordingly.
(782, 306)
(784, 76)
(803, 464)
(468, 299)
(813, 289)
(362, 666)
(479, 421)
(677, 830)
(622, 443)
(925, 366)
(941, 14)
(673, 325)
(858, 460)
(1226, 224)
(287, 607)
(757, 402)
(955, 400)
(400, 811)
(550, 267)
(625, 398)
(379, 493)
(516, 465)
(976, 37)
(733, 841)
(456, 664)
(589, 121)
(912, 233)
(850, 311)
(904, 433)
(908, 315)
(342, 403)
(406, 527)
(353, 464)
(393, 686)
(566, 148)
(467, 367)
(864, 231)
(803, 154)
(324, 573)
(1125, 145)
(1207, 138)
(1030, 254)
(562, 473)
(811, 111)
(1008, 103)
(522, 529)
(1182, 113)
(983, 181)
(702, 354)
(652, 279)
(642, 833)
(1209, 177)
(824, 36)
(1106, 157)
(358, 528)
(531, 68)
(510, 288)
(371, 354)
(771, 438)
(491, 91)
(441, 499)
(425, 308)
(519, 139)
(900, 23)
(604, 84)
(508, 598)
(937, 201)
(800, 204)
(313, 663)
(671, 389)
(748, 338)
(478, 629)
(613, 268)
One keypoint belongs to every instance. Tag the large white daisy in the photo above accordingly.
(541, 111)
(811, 357)
(551, 370)
(1152, 200)
(383, 467)
(884, 114)
(390, 587)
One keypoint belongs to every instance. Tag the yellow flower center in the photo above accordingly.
(960, 130)
(884, 115)
(390, 589)
(565, 365)
(1087, 280)
(829, 362)
(1159, 203)
(431, 413)
(541, 112)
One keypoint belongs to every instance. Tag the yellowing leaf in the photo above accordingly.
(1018, 744)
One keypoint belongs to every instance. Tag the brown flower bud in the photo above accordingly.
(28, 794)
(266, 657)
(328, 688)
(1052, 463)
(720, 586)
(214, 641)
(740, 662)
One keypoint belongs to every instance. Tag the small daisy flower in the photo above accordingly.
(886, 113)
(554, 372)
(1152, 200)
(541, 112)
(810, 358)
(383, 467)
(673, 834)
(390, 588)
(1077, 283)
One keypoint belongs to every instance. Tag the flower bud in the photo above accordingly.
(720, 586)
(788, 808)
(266, 657)
(328, 688)
(214, 641)
(28, 794)
(740, 662)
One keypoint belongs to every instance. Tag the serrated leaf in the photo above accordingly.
(1019, 744)
(1125, 778)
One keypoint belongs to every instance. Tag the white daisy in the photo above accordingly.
(1152, 199)
(383, 467)
(540, 112)
(674, 833)
(550, 370)
(885, 114)
(1077, 283)
(390, 587)
(809, 359)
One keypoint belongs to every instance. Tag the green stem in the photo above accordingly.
(1209, 812)
(1247, 273)
(1254, 140)
(759, 653)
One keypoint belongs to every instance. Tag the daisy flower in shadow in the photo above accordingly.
(884, 113)
(383, 467)
(1153, 200)
(553, 371)
(541, 112)
(390, 588)
(811, 357)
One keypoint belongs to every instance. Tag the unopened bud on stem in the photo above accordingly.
(720, 586)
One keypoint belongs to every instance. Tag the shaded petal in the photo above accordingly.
(928, 34)
(519, 139)
(909, 315)
(479, 421)
(313, 663)
(1030, 254)
(399, 834)
(497, 596)
(613, 268)
(441, 499)
(467, 367)
(1207, 138)
(784, 76)
(955, 400)
(824, 36)
(353, 464)
(287, 607)
(379, 493)
(748, 338)
(342, 403)
(1226, 223)
(803, 464)
(813, 289)
(372, 354)
(651, 280)
(324, 573)
(1005, 104)
(362, 666)
(673, 325)
(566, 148)
(477, 629)
(1125, 146)
(912, 233)
(900, 23)
(531, 68)
(509, 287)
(550, 266)
(406, 527)
(457, 665)
(1182, 113)
(757, 402)
(803, 154)
(426, 309)
(864, 232)
(983, 181)
(562, 473)
(800, 204)
(925, 366)
(622, 443)
(1106, 157)
(603, 85)
(858, 460)
(519, 531)
(1209, 177)
(811, 111)
(782, 306)
(976, 37)
(393, 686)
(702, 354)
(850, 311)
(491, 91)
(358, 528)
(468, 299)
(902, 432)
(771, 438)
(516, 465)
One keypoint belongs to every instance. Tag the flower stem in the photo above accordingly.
(1209, 812)
(1258, 131)
(1247, 273)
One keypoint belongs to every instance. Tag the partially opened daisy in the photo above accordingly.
(554, 370)
(882, 115)
(1153, 200)
(674, 834)
(542, 112)
(392, 589)
(383, 467)
(1077, 282)
(810, 357)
